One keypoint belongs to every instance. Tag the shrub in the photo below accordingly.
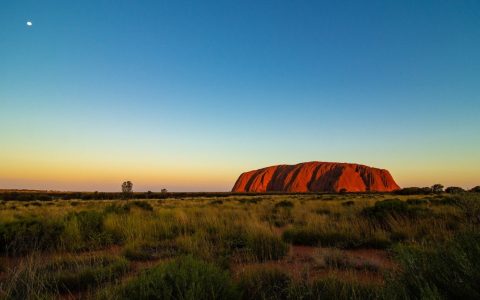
(334, 238)
(348, 203)
(454, 190)
(453, 201)
(386, 208)
(265, 283)
(183, 278)
(302, 236)
(437, 188)
(414, 191)
(28, 234)
(475, 189)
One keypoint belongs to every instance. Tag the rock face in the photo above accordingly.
(316, 177)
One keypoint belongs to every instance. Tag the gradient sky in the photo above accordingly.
(186, 95)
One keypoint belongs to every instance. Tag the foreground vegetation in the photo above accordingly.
(223, 246)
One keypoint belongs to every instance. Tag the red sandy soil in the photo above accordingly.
(316, 177)
(305, 263)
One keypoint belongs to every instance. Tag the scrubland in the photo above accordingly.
(310, 246)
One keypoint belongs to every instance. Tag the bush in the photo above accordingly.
(302, 236)
(475, 189)
(450, 271)
(265, 283)
(29, 234)
(386, 208)
(454, 190)
(183, 278)
(440, 200)
(334, 238)
(348, 203)
(414, 191)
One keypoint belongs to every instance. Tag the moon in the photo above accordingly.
(29, 23)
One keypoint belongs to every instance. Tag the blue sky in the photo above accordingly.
(188, 94)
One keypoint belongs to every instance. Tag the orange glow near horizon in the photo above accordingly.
(63, 174)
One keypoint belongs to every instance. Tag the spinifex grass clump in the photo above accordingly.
(143, 251)
(382, 210)
(73, 274)
(183, 278)
(450, 271)
(284, 203)
(264, 245)
(302, 236)
(86, 230)
(29, 234)
(281, 213)
(343, 235)
(337, 288)
(265, 283)
(35, 279)
(275, 284)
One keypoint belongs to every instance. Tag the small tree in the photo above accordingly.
(164, 191)
(127, 189)
(437, 188)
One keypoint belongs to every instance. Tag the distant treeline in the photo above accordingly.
(53, 195)
(435, 189)
(27, 195)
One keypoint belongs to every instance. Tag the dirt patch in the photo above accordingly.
(308, 263)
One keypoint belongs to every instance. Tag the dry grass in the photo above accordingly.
(308, 237)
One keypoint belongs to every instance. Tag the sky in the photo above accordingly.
(186, 95)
